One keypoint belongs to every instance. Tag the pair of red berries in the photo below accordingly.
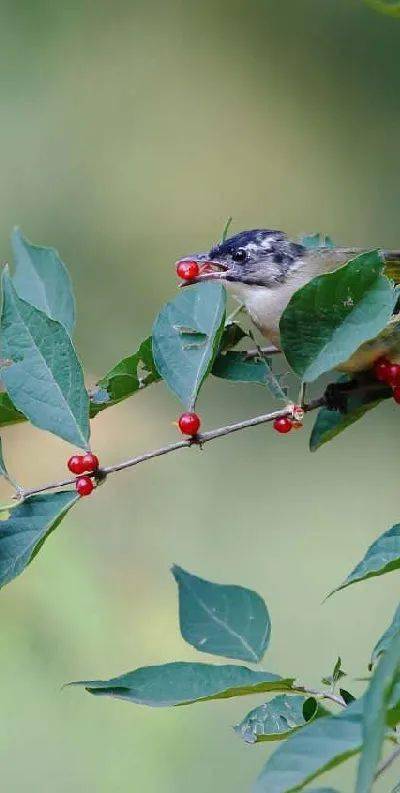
(79, 464)
(389, 373)
(187, 270)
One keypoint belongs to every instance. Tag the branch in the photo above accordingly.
(324, 695)
(387, 763)
(198, 440)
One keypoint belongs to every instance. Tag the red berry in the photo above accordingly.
(396, 394)
(393, 375)
(187, 270)
(75, 464)
(381, 369)
(90, 462)
(284, 424)
(84, 485)
(189, 423)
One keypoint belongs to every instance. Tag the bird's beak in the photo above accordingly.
(208, 269)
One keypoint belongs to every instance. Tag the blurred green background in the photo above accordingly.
(129, 131)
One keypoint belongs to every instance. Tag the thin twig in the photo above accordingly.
(199, 440)
(387, 763)
(271, 350)
(324, 695)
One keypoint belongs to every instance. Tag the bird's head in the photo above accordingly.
(260, 257)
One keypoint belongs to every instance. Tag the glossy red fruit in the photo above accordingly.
(381, 369)
(393, 375)
(187, 270)
(84, 485)
(189, 423)
(396, 394)
(75, 464)
(283, 425)
(90, 462)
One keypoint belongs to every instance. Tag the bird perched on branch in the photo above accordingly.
(263, 268)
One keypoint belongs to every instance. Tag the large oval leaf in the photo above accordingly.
(277, 719)
(222, 619)
(42, 279)
(24, 529)
(377, 702)
(45, 378)
(186, 336)
(181, 683)
(331, 316)
(312, 750)
(382, 557)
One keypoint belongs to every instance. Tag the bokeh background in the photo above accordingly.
(129, 131)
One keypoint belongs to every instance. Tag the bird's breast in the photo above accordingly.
(264, 305)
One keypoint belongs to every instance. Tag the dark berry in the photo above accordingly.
(396, 394)
(381, 369)
(284, 424)
(84, 485)
(90, 462)
(187, 270)
(75, 464)
(189, 423)
(393, 375)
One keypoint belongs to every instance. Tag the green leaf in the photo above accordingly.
(317, 240)
(382, 557)
(232, 334)
(388, 7)
(181, 683)
(130, 375)
(237, 366)
(43, 280)
(222, 619)
(277, 719)
(24, 529)
(309, 752)
(8, 413)
(182, 364)
(45, 380)
(385, 640)
(377, 701)
(322, 790)
(330, 423)
(336, 675)
(332, 315)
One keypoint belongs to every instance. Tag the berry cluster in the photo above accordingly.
(80, 464)
(187, 270)
(389, 373)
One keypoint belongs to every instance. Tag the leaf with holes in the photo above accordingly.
(309, 752)
(45, 380)
(181, 683)
(222, 619)
(42, 279)
(278, 718)
(184, 365)
(24, 529)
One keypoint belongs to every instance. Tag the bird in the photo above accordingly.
(263, 268)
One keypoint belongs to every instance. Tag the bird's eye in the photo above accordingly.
(240, 255)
